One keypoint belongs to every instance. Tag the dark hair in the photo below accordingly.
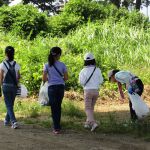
(10, 51)
(54, 52)
(89, 62)
(113, 72)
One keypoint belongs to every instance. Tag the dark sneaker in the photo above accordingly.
(6, 123)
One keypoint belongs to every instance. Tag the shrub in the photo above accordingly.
(23, 20)
(91, 10)
(63, 23)
(86, 9)
(137, 19)
(7, 18)
(131, 19)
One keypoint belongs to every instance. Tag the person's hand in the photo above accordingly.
(121, 101)
(130, 90)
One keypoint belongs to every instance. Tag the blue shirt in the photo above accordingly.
(54, 78)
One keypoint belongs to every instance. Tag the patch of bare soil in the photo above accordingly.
(31, 137)
(107, 96)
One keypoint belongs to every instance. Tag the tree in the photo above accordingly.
(2, 2)
(125, 3)
(116, 3)
(44, 5)
(138, 4)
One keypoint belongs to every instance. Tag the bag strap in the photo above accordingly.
(13, 65)
(90, 76)
(12, 76)
(57, 70)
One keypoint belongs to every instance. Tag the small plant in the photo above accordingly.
(71, 110)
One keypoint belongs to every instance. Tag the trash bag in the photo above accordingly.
(43, 94)
(139, 106)
(22, 91)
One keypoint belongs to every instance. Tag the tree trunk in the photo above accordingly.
(138, 4)
(125, 3)
(116, 3)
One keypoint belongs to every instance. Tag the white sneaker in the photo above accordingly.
(15, 125)
(87, 126)
(94, 126)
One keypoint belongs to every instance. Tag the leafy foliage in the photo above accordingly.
(86, 9)
(63, 23)
(45, 5)
(24, 20)
(113, 45)
(117, 38)
(4, 2)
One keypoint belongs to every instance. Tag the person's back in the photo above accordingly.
(90, 78)
(133, 85)
(9, 76)
(54, 78)
(56, 74)
(10, 72)
(95, 80)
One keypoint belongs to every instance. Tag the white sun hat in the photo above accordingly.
(88, 56)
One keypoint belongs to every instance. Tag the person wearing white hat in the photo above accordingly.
(90, 78)
(133, 85)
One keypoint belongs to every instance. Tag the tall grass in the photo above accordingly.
(113, 44)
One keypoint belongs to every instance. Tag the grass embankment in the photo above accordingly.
(114, 46)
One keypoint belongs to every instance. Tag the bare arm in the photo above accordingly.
(1, 80)
(44, 77)
(19, 76)
(1, 76)
(120, 90)
(66, 76)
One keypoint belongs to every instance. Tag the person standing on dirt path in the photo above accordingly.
(90, 78)
(9, 78)
(133, 85)
(56, 74)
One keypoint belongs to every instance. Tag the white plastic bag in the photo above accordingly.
(139, 106)
(22, 91)
(43, 94)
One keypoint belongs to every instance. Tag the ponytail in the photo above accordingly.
(51, 60)
(54, 52)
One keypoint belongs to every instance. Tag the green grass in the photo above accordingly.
(73, 117)
(113, 44)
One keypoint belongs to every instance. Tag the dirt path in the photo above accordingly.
(30, 137)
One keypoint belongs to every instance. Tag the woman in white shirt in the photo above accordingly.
(133, 85)
(90, 78)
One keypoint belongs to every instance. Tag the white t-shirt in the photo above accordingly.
(124, 77)
(95, 80)
(3, 67)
